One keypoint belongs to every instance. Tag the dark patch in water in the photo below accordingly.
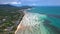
(56, 16)
(47, 21)
(51, 27)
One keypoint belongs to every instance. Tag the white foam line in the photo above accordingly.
(32, 21)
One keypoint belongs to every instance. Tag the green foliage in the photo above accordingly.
(9, 16)
(8, 23)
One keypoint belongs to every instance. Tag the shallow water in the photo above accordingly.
(53, 13)
(34, 24)
(41, 20)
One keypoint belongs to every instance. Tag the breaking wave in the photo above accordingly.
(32, 23)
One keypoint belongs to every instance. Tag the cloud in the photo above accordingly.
(3, 3)
(14, 3)
(11, 3)
(34, 4)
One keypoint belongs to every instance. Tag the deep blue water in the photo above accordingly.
(47, 9)
(53, 13)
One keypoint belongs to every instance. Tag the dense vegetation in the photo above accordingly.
(9, 18)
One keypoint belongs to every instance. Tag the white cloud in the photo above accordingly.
(34, 4)
(4, 3)
(14, 3)
(11, 3)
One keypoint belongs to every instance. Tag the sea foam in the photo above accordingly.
(32, 23)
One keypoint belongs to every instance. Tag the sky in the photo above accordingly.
(32, 2)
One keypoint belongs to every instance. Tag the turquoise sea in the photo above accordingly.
(53, 12)
(41, 20)
(47, 9)
(52, 22)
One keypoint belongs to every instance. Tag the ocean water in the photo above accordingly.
(47, 9)
(52, 21)
(53, 13)
(40, 20)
